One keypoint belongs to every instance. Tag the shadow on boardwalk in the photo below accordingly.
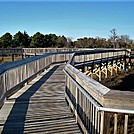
(16, 119)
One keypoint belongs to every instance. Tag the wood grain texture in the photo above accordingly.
(39, 107)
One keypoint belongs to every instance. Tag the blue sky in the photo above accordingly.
(72, 18)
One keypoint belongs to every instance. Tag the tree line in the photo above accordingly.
(22, 39)
(39, 40)
(114, 41)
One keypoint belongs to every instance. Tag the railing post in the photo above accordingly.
(106, 75)
(12, 57)
(26, 74)
(2, 58)
(106, 123)
(92, 70)
(129, 61)
(98, 122)
(111, 67)
(22, 56)
(76, 110)
(100, 73)
(116, 68)
(102, 123)
(125, 124)
(115, 123)
(125, 59)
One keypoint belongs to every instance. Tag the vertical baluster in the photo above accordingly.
(84, 110)
(88, 117)
(115, 123)
(90, 105)
(70, 87)
(102, 123)
(76, 111)
(93, 118)
(80, 104)
(98, 122)
(83, 103)
(126, 124)
(86, 113)
(96, 119)
(68, 90)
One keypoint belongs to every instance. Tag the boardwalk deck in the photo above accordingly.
(39, 107)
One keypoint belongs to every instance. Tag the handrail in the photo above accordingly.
(15, 74)
(92, 107)
(98, 107)
(95, 51)
(94, 102)
(102, 60)
(14, 64)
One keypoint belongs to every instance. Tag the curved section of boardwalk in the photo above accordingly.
(39, 107)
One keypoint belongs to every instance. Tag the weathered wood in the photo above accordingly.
(98, 122)
(20, 72)
(119, 99)
(126, 124)
(39, 107)
(102, 123)
(115, 123)
(90, 85)
(105, 96)
(100, 94)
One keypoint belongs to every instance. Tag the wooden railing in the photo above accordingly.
(94, 105)
(46, 50)
(15, 74)
(98, 109)
(9, 51)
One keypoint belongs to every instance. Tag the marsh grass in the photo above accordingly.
(9, 58)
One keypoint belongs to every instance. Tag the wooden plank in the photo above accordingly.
(39, 108)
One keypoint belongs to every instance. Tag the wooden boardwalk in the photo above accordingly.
(39, 107)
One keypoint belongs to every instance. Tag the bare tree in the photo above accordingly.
(125, 41)
(70, 42)
(125, 38)
(113, 37)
